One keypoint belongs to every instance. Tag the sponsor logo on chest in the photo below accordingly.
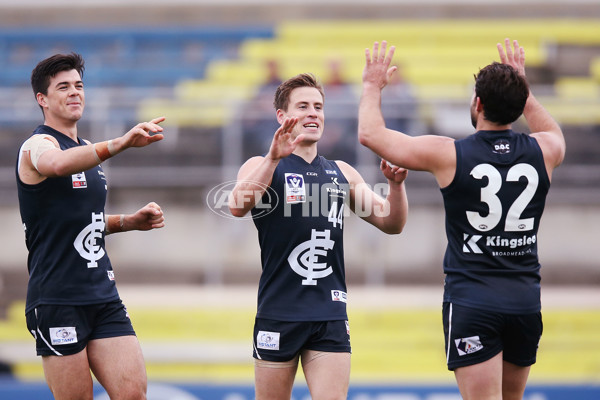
(79, 180)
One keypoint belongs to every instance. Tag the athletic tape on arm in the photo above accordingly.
(38, 145)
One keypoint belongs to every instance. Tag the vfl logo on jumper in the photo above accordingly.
(86, 243)
(267, 340)
(468, 345)
(295, 191)
(64, 335)
(304, 258)
(338, 295)
(79, 180)
(470, 244)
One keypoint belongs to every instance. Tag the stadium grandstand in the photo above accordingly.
(202, 64)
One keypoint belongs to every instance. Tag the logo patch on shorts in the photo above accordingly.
(468, 345)
(64, 335)
(267, 340)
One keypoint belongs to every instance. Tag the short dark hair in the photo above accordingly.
(46, 69)
(502, 91)
(282, 94)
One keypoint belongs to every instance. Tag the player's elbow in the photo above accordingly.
(364, 136)
(371, 135)
(237, 211)
(389, 228)
(235, 208)
(394, 230)
(396, 227)
(369, 130)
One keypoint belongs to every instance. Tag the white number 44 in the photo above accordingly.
(335, 216)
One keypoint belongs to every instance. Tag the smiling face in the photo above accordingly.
(65, 99)
(305, 103)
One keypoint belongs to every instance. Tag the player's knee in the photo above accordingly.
(331, 395)
(131, 391)
(131, 394)
(74, 395)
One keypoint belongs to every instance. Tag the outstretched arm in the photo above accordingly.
(389, 214)
(44, 158)
(435, 154)
(543, 127)
(146, 218)
(256, 174)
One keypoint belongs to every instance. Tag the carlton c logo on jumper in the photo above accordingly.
(304, 258)
(86, 243)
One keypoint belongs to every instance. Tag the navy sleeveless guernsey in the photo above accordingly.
(300, 230)
(493, 210)
(63, 219)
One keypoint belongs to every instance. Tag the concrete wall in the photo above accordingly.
(198, 246)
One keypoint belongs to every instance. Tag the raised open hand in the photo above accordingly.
(284, 143)
(514, 57)
(377, 68)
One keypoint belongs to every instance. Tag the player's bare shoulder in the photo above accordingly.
(30, 153)
(553, 148)
(351, 174)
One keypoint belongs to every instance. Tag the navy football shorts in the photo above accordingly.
(473, 336)
(283, 340)
(65, 330)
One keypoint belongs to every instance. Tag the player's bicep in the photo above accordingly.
(425, 153)
(251, 183)
(247, 169)
(42, 151)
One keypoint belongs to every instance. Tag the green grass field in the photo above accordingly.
(389, 346)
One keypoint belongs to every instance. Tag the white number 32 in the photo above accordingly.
(489, 196)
